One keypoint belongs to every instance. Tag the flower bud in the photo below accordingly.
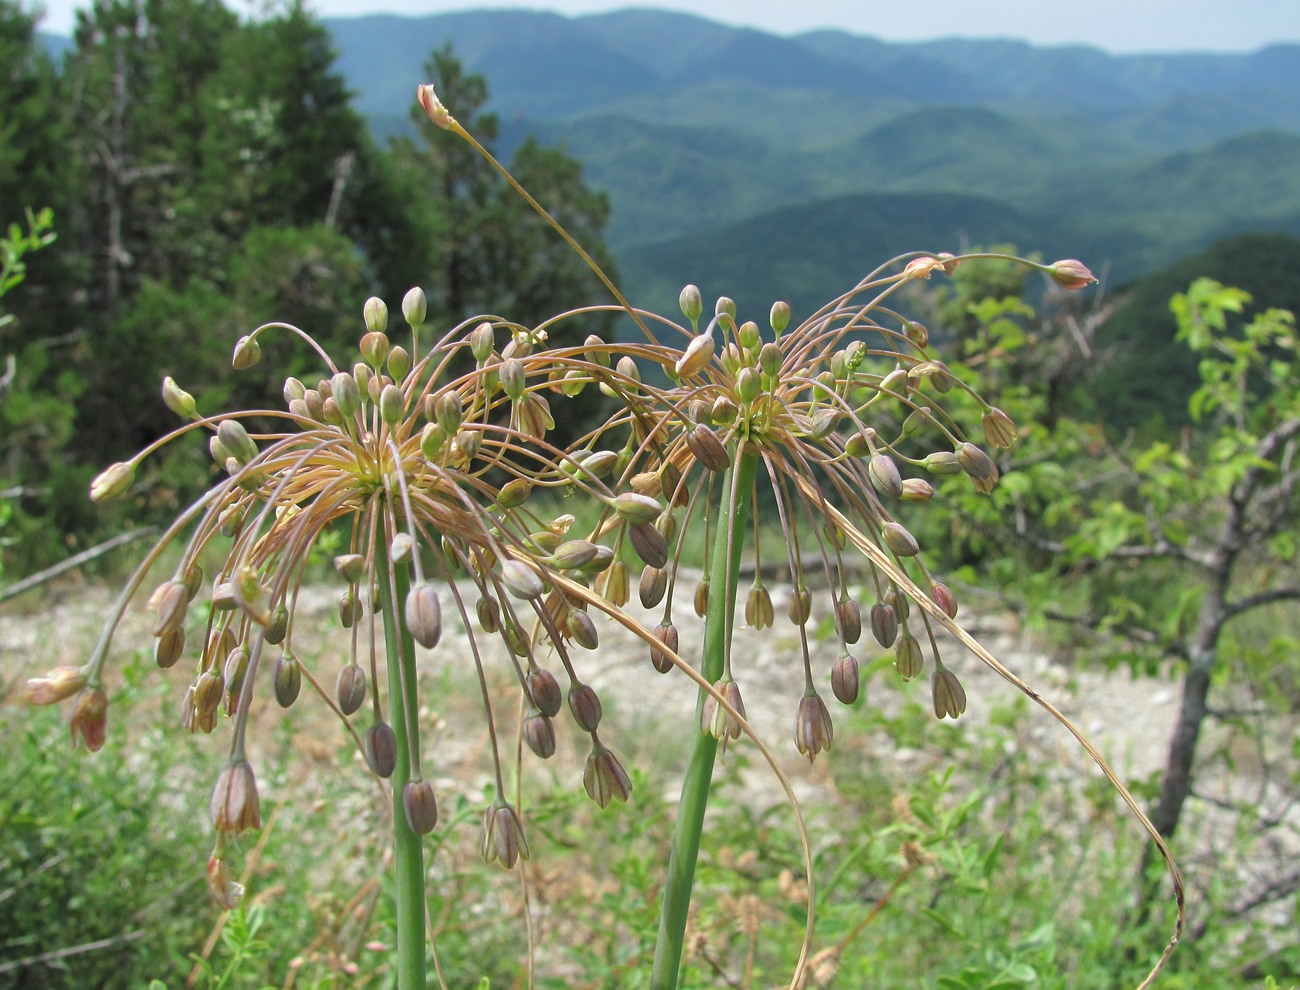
(899, 540)
(1071, 274)
(247, 353)
(170, 600)
(908, 660)
(424, 615)
(177, 399)
(779, 317)
(800, 606)
(999, 430)
(539, 734)
(544, 690)
(613, 584)
(514, 381)
(636, 508)
(949, 695)
(421, 806)
(535, 417)
(233, 672)
(708, 449)
(168, 647)
(90, 719)
(916, 490)
(884, 624)
(604, 778)
(381, 749)
(769, 359)
(573, 554)
(236, 441)
(759, 613)
(696, 357)
(60, 683)
(521, 580)
(653, 585)
(221, 885)
(113, 481)
(584, 705)
(582, 630)
(942, 462)
(375, 314)
(351, 567)
(649, 544)
(503, 836)
(981, 470)
(666, 633)
(944, 598)
(844, 679)
(235, 806)
(715, 720)
(288, 680)
(432, 106)
(813, 729)
(350, 688)
(691, 302)
(701, 602)
(848, 620)
(414, 307)
(884, 476)
(392, 404)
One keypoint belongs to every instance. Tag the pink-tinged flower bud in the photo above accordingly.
(545, 691)
(60, 683)
(90, 719)
(944, 598)
(813, 730)
(489, 614)
(916, 490)
(691, 302)
(288, 680)
(414, 307)
(715, 720)
(652, 586)
(999, 430)
(884, 624)
(708, 449)
(381, 749)
(582, 630)
(584, 704)
(635, 508)
(421, 806)
(208, 691)
(949, 695)
(573, 554)
(222, 886)
(235, 806)
(351, 567)
(1071, 274)
(350, 689)
(113, 481)
(907, 656)
(899, 540)
(759, 613)
(848, 620)
(649, 544)
(503, 836)
(844, 679)
(884, 475)
(604, 778)
(248, 352)
(539, 733)
(666, 634)
(433, 107)
(424, 615)
(981, 470)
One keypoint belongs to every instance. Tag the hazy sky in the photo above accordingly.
(1116, 25)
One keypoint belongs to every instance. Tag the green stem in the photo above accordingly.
(409, 852)
(724, 567)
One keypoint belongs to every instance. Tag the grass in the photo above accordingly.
(946, 857)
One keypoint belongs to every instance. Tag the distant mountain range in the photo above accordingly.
(765, 166)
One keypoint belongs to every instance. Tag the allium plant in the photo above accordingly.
(427, 458)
